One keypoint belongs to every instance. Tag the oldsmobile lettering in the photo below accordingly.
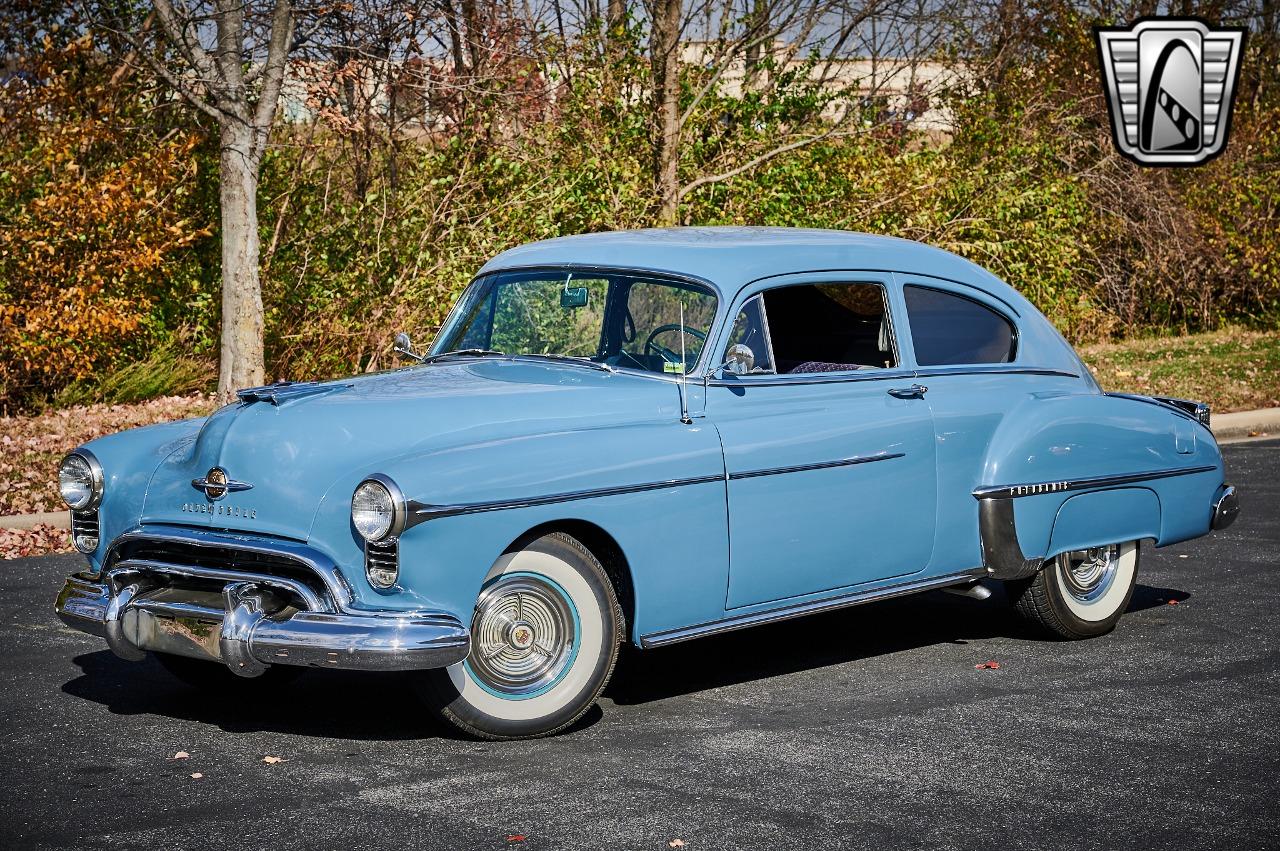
(221, 510)
(643, 438)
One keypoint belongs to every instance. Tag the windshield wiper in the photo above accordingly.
(581, 360)
(463, 353)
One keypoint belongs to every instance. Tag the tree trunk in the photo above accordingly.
(664, 50)
(615, 21)
(241, 362)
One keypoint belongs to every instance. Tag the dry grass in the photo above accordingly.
(1232, 370)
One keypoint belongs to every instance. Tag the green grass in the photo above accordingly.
(165, 372)
(1232, 370)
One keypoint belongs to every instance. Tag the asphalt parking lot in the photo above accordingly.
(866, 728)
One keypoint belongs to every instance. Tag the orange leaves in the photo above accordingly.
(87, 220)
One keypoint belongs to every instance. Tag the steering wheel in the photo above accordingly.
(662, 351)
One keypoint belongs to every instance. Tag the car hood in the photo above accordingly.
(297, 445)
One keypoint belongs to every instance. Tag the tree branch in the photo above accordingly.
(765, 157)
(273, 72)
(175, 28)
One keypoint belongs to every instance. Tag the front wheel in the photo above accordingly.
(1079, 594)
(544, 640)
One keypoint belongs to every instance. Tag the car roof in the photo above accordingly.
(729, 257)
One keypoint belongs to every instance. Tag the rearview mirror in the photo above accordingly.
(571, 298)
(403, 346)
(740, 360)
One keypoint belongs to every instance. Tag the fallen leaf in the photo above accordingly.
(516, 837)
(1173, 602)
(196, 776)
(1184, 556)
(987, 666)
(272, 760)
(181, 755)
(676, 843)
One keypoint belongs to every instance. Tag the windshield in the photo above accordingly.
(624, 320)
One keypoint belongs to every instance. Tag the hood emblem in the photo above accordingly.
(216, 484)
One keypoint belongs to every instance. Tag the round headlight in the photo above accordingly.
(377, 512)
(80, 480)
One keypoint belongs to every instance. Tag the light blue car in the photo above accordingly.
(639, 437)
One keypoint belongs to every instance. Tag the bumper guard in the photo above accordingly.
(254, 628)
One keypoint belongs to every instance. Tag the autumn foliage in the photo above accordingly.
(91, 217)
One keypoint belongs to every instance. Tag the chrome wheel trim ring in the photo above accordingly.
(1088, 574)
(524, 636)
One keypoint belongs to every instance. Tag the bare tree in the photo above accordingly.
(730, 44)
(228, 58)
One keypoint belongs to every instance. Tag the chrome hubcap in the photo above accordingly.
(1087, 574)
(522, 635)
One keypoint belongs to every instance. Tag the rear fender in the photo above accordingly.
(1105, 517)
(1052, 447)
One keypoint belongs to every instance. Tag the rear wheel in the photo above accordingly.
(544, 640)
(1081, 593)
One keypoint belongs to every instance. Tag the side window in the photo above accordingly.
(951, 329)
(834, 327)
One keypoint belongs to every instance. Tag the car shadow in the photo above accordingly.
(330, 704)
(832, 638)
(336, 704)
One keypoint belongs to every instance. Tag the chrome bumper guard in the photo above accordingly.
(1225, 508)
(255, 627)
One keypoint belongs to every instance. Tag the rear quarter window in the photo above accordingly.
(951, 329)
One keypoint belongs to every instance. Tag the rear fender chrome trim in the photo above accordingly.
(659, 639)
(1037, 488)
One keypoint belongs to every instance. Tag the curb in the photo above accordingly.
(56, 519)
(1244, 425)
(1227, 428)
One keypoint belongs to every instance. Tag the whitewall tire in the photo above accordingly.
(1079, 594)
(544, 639)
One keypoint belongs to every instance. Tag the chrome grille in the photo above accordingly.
(383, 556)
(222, 558)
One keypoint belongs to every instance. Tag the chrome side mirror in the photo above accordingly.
(740, 360)
(404, 347)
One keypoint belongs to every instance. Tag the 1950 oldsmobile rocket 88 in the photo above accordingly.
(821, 418)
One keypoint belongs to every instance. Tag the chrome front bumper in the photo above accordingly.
(254, 628)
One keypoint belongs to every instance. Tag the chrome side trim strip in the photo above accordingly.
(821, 465)
(422, 512)
(659, 639)
(998, 369)
(1013, 491)
(889, 373)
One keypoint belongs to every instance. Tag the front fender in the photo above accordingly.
(129, 459)
(545, 478)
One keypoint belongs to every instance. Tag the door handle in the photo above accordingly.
(915, 391)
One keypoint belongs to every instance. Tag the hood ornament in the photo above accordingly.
(216, 484)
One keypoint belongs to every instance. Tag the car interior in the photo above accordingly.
(819, 328)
